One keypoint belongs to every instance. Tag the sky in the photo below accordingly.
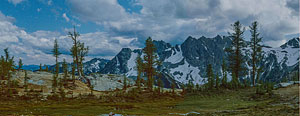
(29, 27)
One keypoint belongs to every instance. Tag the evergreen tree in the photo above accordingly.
(74, 50)
(83, 51)
(20, 65)
(210, 76)
(78, 52)
(41, 69)
(150, 59)
(235, 53)
(140, 69)
(56, 54)
(224, 74)
(256, 49)
(7, 67)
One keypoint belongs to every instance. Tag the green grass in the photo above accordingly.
(224, 102)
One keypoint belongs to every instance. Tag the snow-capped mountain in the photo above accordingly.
(187, 61)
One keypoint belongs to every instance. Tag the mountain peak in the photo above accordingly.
(294, 43)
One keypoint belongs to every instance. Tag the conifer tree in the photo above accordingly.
(256, 49)
(7, 66)
(83, 51)
(74, 50)
(140, 69)
(41, 69)
(20, 65)
(236, 57)
(224, 74)
(56, 54)
(78, 52)
(210, 76)
(150, 59)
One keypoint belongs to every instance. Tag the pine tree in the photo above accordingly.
(235, 53)
(7, 67)
(56, 54)
(78, 52)
(83, 51)
(256, 49)
(210, 76)
(224, 74)
(20, 65)
(140, 69)
(75, 49)
(150, 59)
(41, 69)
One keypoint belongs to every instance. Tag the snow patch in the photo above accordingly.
(175, 58)
(184, 73)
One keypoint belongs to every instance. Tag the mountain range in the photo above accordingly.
(187, 62)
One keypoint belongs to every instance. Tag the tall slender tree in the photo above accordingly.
(20, 64)
(256, 49)
(150, 59)
(236, 57)
(74, 50)
(140, 69)
(41, 68)
(210, 76)
(56, 54)
(82, 52)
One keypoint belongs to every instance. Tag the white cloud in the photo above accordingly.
(66, 17)
(35, 48)
(174, 20)
(15, 2)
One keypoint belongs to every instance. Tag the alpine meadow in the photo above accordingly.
(149, 57)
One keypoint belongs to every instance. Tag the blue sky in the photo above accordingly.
(29, 27)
